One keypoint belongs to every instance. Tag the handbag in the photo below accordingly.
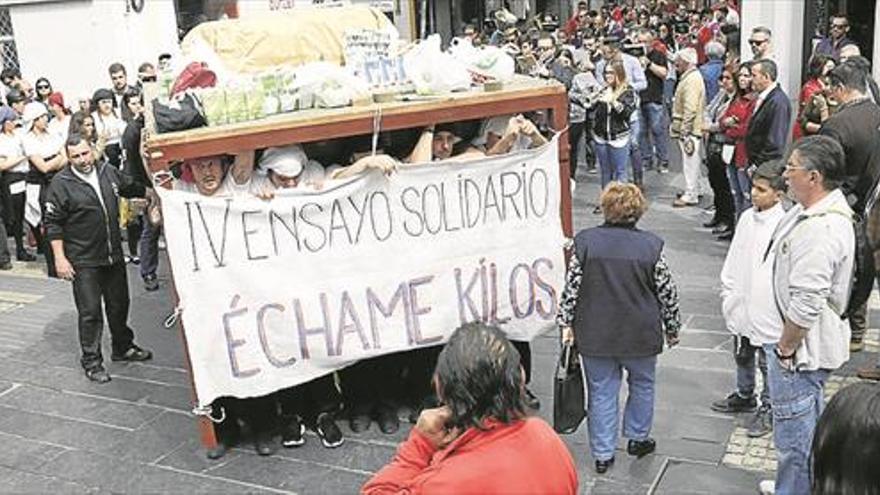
(568, 392)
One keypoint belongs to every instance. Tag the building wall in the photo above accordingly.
(785, 18)
(73, 42)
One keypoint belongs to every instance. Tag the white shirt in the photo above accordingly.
(229, 188)
(43, 145)
(763, 96)
(747, 278)
(91, 179)
(110, 124)
(11, 147)
(60, 127)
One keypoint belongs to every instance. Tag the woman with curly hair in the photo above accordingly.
(618, 306)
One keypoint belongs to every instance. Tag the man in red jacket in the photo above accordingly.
(479, 440)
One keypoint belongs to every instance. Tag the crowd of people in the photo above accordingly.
(795, 201)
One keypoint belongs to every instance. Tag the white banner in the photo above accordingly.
(276, 293)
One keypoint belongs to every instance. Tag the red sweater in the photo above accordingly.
(741, 108)
(523, 457)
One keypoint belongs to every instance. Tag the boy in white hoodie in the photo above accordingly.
(747, 296)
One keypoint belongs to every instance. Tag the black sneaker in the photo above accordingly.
(733, 403)
(641, 448)
(264, 444)
(6, 265)
(602, 466)
(151, 284)
(330, 434)
(386, 418)
(134, 353)
(25, 255)
(761, 423)
(292, 436)
(98, 374)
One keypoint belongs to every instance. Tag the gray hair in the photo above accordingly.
(714, 49)
(824, 155)
(762, 29)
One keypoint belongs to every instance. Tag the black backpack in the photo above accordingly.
(181, 115)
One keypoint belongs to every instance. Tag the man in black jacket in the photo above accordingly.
(855, 126)
(769, 125)
(81, 225)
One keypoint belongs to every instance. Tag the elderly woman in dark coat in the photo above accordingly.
(619, 304)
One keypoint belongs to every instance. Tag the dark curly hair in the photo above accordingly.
(479, 376)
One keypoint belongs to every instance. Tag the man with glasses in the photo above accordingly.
(814, 248)
(761, 43)
(81, 224)
(831, 45)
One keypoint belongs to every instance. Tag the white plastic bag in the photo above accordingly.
(433, 71)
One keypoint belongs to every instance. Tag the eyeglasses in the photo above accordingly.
(792, 168)
(43, 86)
(147, 79)
(839, 26)
(757, 42)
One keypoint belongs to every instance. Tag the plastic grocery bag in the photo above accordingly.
(488, 61)
(433, 71)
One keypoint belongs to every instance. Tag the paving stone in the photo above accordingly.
(688, 478)
(22, 453)
(190, 456)
(288, 474)
(65, 432)
(703, 340)
(351, 455)
(155, 439)
(18, 481)
(122, 476)
(54, 402)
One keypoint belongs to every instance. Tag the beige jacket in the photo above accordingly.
(688, 106)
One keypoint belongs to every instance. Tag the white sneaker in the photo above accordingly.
(767, 487)
(573, 185)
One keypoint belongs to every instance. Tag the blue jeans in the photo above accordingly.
(745, 356)
(635, 153)
(741, 188)
(603, 375)
(148, 247)
(797, 404)
(612, 162)
(655, 134)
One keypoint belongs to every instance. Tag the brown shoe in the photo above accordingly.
(872, 373)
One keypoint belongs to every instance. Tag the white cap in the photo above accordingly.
(33, 111)
(688, 55)
(286, 160)
(495, 125)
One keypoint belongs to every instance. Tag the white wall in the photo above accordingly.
(403, 15)
(785, 18)
(73, 42)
